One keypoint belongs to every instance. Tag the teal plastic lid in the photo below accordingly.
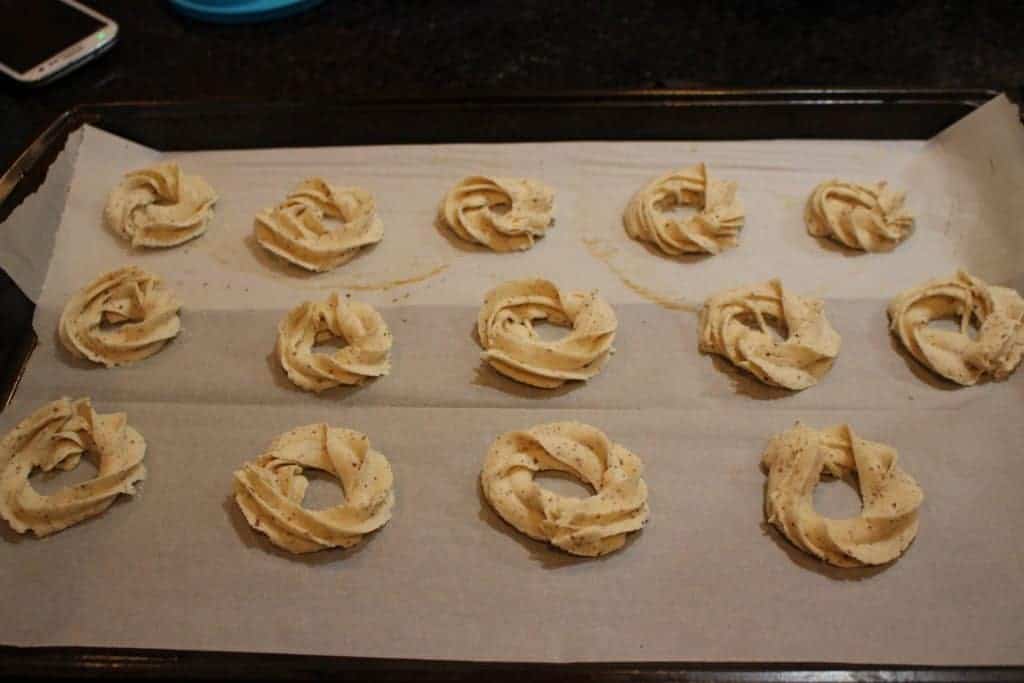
(241, 11)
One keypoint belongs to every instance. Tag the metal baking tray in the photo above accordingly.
(619, 115)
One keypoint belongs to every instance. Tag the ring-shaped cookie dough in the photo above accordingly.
(714, 227)
(160, 206)
(798, 458)
(865, 217)
(56, 437)
(320, 226)
(123, 316)
(996, 312)
(503, 214)
(269, 490)
(366, 335)
(735, 324)
(591, 526)
(513, 348)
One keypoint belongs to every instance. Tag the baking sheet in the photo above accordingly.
(177, 567)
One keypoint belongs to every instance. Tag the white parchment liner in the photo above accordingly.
(178, 568)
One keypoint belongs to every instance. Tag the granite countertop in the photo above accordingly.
(348, 48)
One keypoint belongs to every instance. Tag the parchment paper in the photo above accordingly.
(177, 567)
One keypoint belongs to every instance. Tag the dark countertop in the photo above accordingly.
(348, 48)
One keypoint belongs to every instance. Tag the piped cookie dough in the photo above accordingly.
(160, 206)
(503, 214)
(513, 348)
(735, 324)
(712, 228)
(996, 313)
(320, 226)
(362, 329)
(270, 489)
(864, 217)
(798, 458)
(56, 437)
(123, 316)
(592, 526)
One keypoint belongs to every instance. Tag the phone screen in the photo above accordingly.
(32, 31)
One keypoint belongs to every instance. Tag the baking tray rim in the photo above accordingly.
(158, 663)
(75, 117)
(77, 660)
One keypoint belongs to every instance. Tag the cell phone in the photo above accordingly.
(43, 39)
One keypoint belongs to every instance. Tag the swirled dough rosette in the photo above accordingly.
(591, 526)
(735, 324)
(996, 312)
(142, 312)
(503, 214)
(270, 489)
(56, 437)
(798, 458)
(358, 325)
(320, 226)
(513, 348)
(865, 217)
(714, 227)
(160, 206)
